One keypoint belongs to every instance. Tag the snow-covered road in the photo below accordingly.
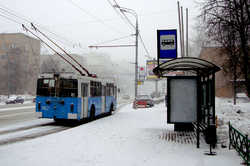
(127, 138)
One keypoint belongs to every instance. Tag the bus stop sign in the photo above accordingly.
(167, 44)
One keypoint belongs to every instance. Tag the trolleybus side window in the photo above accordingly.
(103, 90)
(84, 89)
(95, 88)
(115, 91)
(68, 88)
(110, 89)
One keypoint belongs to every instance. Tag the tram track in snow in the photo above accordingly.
(31, 131)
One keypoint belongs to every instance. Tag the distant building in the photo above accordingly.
(19, 63)
(54, 63)
(223, 79)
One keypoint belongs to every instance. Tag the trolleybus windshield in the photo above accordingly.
(68, 88)
(57, 88)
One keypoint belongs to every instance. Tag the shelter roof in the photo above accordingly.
(191, 64)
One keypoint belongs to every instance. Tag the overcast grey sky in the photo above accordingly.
(90, 22)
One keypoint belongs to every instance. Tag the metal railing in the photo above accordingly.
(240, 143)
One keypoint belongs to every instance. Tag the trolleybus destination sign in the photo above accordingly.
(167, 44)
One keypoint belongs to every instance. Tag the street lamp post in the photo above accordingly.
(122, 9)
(136, 56)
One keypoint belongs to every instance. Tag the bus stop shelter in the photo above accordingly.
(191, 96)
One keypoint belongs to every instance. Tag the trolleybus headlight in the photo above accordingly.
(48, 102)
(39, 106)
(71, 107)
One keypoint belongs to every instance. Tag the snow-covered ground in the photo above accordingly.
(127, 138)
(238, 115)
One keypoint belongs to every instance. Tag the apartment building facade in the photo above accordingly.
(224, 85)
(19, 63)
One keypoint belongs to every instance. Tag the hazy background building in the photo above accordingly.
(19, 63)
(223, 78)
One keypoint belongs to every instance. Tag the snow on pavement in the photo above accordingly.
(127, 138)
(16, 108)
(238, 115)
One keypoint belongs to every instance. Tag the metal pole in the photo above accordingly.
(182, 30)
(122, 9)
(156, 87)
(179, 16)
(136, 56)
(8, 74)
(187, 32)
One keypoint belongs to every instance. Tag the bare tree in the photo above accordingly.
(227, 23)
(49, 64)
(200, 39)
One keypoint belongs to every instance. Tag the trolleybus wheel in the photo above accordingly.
(92, 113)
(111, 109)
(58, 120)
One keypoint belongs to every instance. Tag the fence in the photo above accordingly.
(240, 143)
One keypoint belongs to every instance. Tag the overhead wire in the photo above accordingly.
(145, 48)
(37, 30)
(21, 17)
(11, 19)
(27, 30)
(125, 18)
(124, 15)
(60, 55)
(15, 21)
(94, 17)
(118, 12)
(112, 40)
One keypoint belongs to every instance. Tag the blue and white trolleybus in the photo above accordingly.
(71, 96)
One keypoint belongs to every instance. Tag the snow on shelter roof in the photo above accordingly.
(196, 65)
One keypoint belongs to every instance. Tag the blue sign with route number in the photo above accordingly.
(167, 44)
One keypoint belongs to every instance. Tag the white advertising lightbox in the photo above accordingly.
(182, 99)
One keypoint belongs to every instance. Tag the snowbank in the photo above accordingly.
(238, 115)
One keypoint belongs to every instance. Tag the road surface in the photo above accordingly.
(15, 113)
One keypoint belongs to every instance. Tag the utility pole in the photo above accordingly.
(8, 75)
(127, 10)
(136, 56)
(187, 32)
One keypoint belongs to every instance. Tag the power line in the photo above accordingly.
(37, 30)
(131, 24)
(118, 12)
(57, 53)
(10, 19)
(21, 17)
(125, 16)
(116, 39)
(93, 16)
(13, 13)
(145, 48)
